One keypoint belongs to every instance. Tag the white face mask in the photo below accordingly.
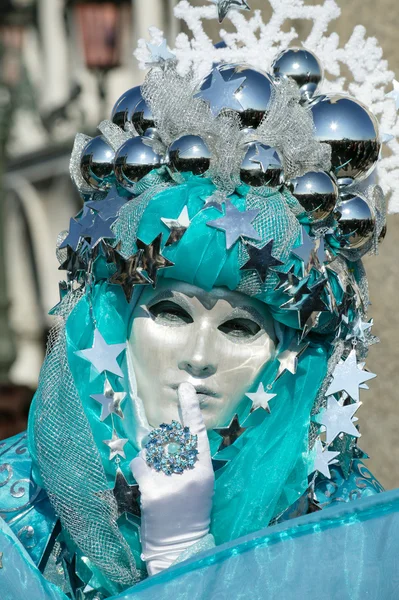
(218, 341)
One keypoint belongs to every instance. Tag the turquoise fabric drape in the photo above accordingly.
(349, 551)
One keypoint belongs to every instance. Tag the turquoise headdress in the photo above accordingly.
(191, 185)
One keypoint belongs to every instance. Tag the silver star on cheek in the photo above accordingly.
(103, 356)
(260, 399)
(288, 359)
(220, 93)
(110, 401)
(160, 53)
(338, 419)
(347, 377)
(224, 6)
(116, 445)
(323, 459)
(266, 157)
(177, 227)
(395, 93)
(236, 224)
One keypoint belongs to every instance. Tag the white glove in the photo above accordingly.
(176, 509)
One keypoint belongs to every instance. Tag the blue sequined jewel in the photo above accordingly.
(171, 448)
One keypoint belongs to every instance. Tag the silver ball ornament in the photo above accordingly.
(317, 192)
(142, 118)
(302, 66)
(261, 165)
(97, 164)
(352, 132)
(189, 153)
(134, 160)
(356, 221)
(125, 106)
(253, 95)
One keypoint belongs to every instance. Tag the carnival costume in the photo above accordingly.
(235, 167)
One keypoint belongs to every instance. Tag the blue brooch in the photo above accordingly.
(171, 448)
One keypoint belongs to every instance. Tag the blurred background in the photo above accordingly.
(63, 64)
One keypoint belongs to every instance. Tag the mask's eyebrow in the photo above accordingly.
(171, 295)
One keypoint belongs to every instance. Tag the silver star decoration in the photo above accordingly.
(386, 138)
(357, 329)
(395, 93)
(103, 356)
(266, 157)
(116, 445)
(177, 227)
(288, 359)
(308, 301)
(73, 238)
(220, 93)
(286, 281)
(126, 495)
(236, 224)
(260, 398)
(224, 6)
(231, 433)
(109, 207)
(110, 401)
(338, 419)
(347, 377)
(95, 229)
(311, 252)
(323, 459)
(160, 53)
(261, 260)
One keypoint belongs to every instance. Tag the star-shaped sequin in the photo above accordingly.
(260, 259)
(73, 238)
(103, 356)
(129, 272)
(308, 302)
(288, 359)
(260, 398)
(110, 401)
(395, 93)
(286, 281)
(109, 207)
(347, 377)
(236, 224)
(177, 227)
(97, 229)
(311, 252)
(265, 157)
(357, 329)
(75, 263)
(116, 445)
(338, 419)
(223, 7)
(231, 433)
(323, 459)
(126, 496)
(152, 258)
(221, 93)
(160, 53)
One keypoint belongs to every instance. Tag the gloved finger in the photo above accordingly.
(192, 416)
(139, 467)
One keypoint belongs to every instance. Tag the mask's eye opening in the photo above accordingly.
(241, 328)
(169, 312)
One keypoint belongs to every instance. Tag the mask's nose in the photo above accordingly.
(200, 360)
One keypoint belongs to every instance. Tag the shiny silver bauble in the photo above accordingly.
(356, 221)
(302, 66)
(261, 165)
(189, 153)
(142, 118)
(253, 95)
(125, 106)
(317, 192)
(134, 160)
(352, 132)
(97, 164)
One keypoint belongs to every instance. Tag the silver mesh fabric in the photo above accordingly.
(70, 464)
